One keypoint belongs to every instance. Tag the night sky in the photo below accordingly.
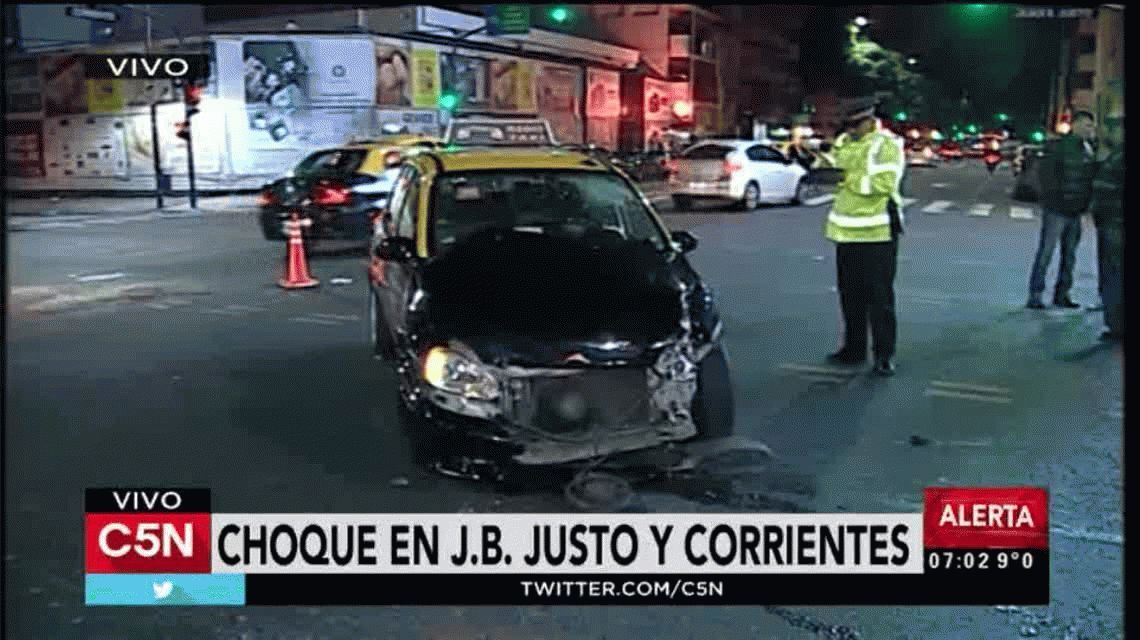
(1002, 63)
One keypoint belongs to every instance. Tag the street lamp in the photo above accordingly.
(860, 21)
(912, 61)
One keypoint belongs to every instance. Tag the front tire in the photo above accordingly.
(804, 190)
(714, 409)
(751, 199)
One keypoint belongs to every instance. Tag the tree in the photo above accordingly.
(876, 70)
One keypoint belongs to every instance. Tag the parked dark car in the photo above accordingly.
(538, 312)
(337, 188)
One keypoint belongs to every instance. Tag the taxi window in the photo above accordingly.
(400, 189)
(331, 162)
(539, 201)
(406, 215)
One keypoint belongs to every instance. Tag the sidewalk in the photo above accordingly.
(101, 206)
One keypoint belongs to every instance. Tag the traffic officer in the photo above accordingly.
(864, 222)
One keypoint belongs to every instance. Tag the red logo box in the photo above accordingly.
(986, 518)
(147, 542)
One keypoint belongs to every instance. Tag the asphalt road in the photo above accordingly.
(160, 352)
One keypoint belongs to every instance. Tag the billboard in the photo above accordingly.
(558, 95)
(393, 76)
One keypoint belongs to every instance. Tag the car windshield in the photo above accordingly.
(540, 201)
(332, 162)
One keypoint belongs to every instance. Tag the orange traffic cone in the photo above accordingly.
(296, 267)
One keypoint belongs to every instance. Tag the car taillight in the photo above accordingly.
(267, 198)
(731, 167)
(330, 193)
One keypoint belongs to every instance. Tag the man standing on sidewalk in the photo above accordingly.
(1066, 186)
(1108, 213)
(865, 222)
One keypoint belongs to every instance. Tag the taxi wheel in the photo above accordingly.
(714, 409)
(751, 199)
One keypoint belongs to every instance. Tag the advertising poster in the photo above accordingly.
(425, 78)
(24, 148)
(504, 85)
(85, 147)
(300, 90)
(524, 73)
(393, 76)
(658, 101)
(23, 86)
(106, 96)
(466, 76)
(603, 94)
(557, 89)
(64, 85)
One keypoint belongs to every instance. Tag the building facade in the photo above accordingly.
(1091, 74)
(283, 84)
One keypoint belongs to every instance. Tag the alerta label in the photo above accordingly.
(986, 518)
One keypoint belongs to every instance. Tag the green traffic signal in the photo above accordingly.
(1038, 136)
(972, 128)
(1002, 117)
(559, 14)
(901, 116)
(448, 101)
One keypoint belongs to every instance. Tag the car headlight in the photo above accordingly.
(452, 372)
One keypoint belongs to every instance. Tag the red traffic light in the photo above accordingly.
(192, 94)
(182, 130)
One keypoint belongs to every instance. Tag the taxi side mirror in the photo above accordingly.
(684, 240)
(395, 249)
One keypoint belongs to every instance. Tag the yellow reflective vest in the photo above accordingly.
(872, 174)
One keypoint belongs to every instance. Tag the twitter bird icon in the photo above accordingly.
(162, 590)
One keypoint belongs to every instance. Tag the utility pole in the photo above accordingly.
(158, 186)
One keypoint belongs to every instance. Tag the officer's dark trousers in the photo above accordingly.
(866, 285)
(1110, 247)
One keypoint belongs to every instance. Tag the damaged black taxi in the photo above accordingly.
(538, 312)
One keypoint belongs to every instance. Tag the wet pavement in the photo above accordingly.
(160, 352)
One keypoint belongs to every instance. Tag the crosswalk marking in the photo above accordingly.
(938, 206)
(980, 210)
(909, 201)
(1020, 213)
(961, 386)
(943, 393)
(815, 202)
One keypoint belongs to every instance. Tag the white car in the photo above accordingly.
(747, 172)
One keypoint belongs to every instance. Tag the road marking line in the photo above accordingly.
(240, 307)
(328, 323)
(933, 301)
(938, 206)
(962, 386)
(817, 377)
(223, 312)
(56, 225)
(909, 201)
(966, 396)
(807, 368)
(333, 316)
(981, 210)
(99, 277)
(158, 305)
(824, 199)
(1021, 213)
(940, 185)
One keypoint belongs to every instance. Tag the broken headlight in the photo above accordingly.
(450, 371)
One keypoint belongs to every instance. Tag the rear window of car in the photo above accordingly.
(707, 152)
(332, 162)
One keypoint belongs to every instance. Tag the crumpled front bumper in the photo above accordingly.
(505, 430)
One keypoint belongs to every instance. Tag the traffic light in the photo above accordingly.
(901, 116)
(1002, 117)
(182, 130)
(1038, 136)
(192, 96)
(973, 128)
(449, 101)
(560, 14)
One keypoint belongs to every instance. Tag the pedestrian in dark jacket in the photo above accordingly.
(1108, 213)
(1066, 186)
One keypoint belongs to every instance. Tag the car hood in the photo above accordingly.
(532, 299)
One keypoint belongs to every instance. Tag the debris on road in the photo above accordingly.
(340, 280)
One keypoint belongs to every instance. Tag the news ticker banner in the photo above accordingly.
(969, 546)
